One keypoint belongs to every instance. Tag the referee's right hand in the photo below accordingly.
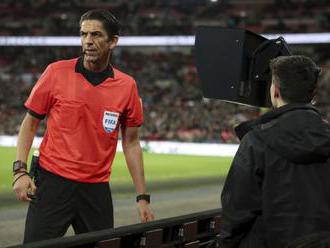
(23, 186)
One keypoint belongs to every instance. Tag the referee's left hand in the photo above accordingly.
(145, 212)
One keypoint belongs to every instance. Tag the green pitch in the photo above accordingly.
(158, 167)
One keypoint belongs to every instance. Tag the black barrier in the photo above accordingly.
(190, 231)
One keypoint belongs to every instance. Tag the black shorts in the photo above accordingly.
(60, 202)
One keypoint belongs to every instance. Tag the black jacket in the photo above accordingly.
(278, 186)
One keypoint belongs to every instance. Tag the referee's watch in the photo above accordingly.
(17, 165)
(145, 197)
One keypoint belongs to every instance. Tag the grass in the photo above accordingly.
(158, 168)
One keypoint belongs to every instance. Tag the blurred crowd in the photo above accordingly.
(166, 76)
(168, 84)
(166, 17)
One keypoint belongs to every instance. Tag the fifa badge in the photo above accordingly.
(110, 120)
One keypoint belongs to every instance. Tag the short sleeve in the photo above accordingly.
(134, 113)
(40, 99)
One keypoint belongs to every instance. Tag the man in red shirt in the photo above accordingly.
(85, 100)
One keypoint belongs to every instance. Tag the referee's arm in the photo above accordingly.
(133, 155)
(22, 184)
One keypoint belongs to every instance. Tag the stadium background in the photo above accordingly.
(168, 84)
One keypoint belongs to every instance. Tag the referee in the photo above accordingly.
(86, 101)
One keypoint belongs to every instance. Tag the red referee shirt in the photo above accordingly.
(83, 120)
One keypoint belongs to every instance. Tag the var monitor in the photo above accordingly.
(233, 64)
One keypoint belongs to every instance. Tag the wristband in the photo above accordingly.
(143, 197)
(24, 173)
(18, 164)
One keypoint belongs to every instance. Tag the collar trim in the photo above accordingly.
(94, 78)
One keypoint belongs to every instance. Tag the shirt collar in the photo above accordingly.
(247, 126)
(94, 78)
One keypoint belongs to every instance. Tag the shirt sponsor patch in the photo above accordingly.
(110, 120)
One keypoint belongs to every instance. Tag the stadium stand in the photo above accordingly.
(168, 84)
(162, 17)
(166, 76)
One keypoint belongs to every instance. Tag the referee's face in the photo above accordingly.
(95, 43)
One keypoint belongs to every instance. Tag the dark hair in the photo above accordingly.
(109, 21)
(296, 77)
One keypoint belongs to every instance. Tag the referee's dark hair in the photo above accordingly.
(109, 21)
(296, 77)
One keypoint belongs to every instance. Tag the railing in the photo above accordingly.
(189, 231)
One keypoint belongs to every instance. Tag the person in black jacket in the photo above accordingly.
(278, 186)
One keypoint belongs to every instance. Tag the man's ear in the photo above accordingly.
(113, 41)
(277, 92)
